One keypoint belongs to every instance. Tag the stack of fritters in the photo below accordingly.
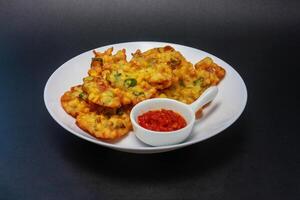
(102, 104)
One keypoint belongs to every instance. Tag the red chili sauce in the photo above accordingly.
(161, 120)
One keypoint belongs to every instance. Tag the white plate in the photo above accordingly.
(220, 114)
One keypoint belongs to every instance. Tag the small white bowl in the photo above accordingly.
(157, 138)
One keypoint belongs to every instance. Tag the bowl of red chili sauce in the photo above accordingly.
(162, 121)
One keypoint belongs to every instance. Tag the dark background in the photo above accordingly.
(256, 158)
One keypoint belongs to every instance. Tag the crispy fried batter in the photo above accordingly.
(106, 61)
(216, 72)
(156, 65)
(101, 93)
(192, 81)
(73, 101)
(103, 126)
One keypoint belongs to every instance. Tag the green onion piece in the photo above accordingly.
(82, 95)
(131, 82)
(198, 82)
(89, 78)
(138, 93)
(181, 83)
(117, 75)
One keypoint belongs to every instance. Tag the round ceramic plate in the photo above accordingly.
(220, 114)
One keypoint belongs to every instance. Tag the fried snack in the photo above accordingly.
(133, 86)
(113, 82)
(114, 85)
(104, 126)
(216, 72)
(158, 65)
(73, 101)
(101, 93)
(192, 81)
(106, 61)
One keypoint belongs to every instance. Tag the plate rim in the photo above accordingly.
(146, 148)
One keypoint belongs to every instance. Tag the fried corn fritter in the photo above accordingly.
(73, 101)
(192, 81)
(100, 92)
(103, 126)
(102, 104)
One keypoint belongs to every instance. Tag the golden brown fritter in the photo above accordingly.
(156, 65)
(118, 90)
(192, 81)
(216, 72)
(73, 101)
(101, 93)
(107, 61)
(104, 126)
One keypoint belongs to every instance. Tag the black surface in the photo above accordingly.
(256, 158)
